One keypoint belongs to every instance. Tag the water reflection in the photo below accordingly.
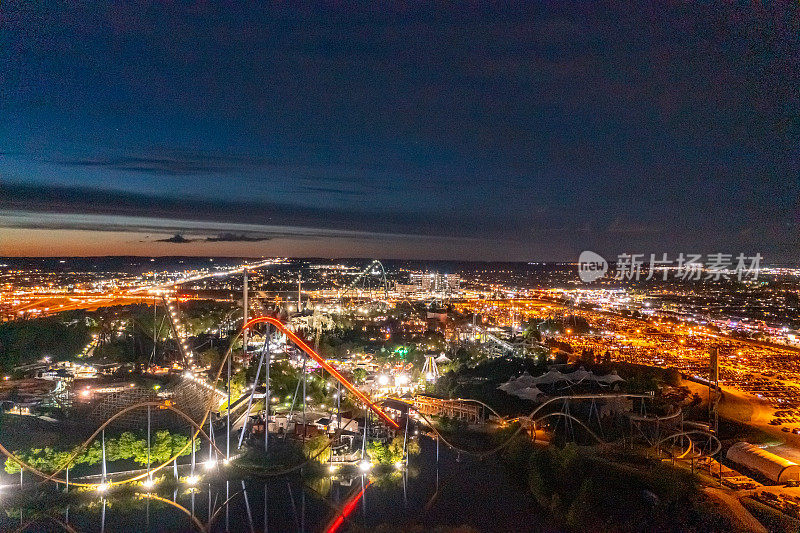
(434, 490)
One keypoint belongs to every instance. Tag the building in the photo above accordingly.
(405, 288)
(435, 282)
(773, 467)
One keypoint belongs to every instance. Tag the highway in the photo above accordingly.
(44, 303)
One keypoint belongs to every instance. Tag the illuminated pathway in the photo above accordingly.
(179, 330)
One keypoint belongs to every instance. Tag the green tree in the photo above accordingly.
(164, 445)
(317, 448)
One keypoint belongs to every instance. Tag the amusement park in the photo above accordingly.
(449, 267)
(344, 384)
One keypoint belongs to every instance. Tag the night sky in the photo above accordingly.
(206, 128)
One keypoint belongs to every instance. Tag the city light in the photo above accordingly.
(439, 176)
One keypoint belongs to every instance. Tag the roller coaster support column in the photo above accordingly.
(149, 475)
(155, 332)
(338, 405)
(211, 456)
(267, 395)
(228, 409)
(593, 409)
(245, 310)
(305, 358)
(103, 440)
(405, 440)
(247, 507)
(364, 437)
(250, 400)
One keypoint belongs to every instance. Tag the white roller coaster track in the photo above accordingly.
(363, 273)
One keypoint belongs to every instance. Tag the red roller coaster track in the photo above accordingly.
(316, 357)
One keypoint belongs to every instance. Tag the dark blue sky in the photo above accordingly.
(472, 132)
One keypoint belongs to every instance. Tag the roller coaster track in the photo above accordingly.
(160, 405)
(198, 426)
(505, 345)
(642, 418)
(717, 443)
(335, 373)
(698, 429)
(572, 419)
(40, 517)
(324, 364)
(469, 400)
(534, 419)
(482, 404)
(363, 273)
(346, 509)
(197, 523)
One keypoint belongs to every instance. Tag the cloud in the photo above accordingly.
(197, 230)
(177, 239)
(334, 190)
(215, 217)
(240, 237)
(170, 162)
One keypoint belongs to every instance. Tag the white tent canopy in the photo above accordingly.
(525, 380)
(528, 393)
(525, 386)
(613, 377)
(512, 385)
(579, 375)
(552, 376)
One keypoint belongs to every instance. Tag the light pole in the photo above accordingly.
(305, 358)
(212, 457)
(149, 474)
(245, 309)
(266, 392)
(228, 415)
(103, 439)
